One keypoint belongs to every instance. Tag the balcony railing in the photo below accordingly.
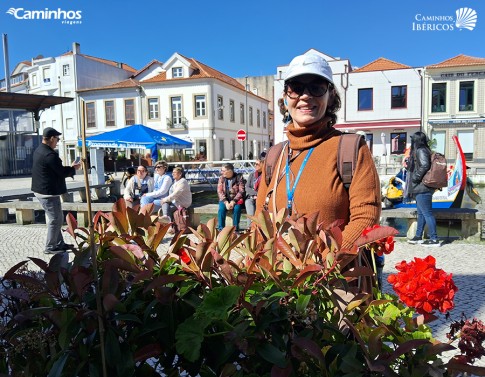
(177, 123)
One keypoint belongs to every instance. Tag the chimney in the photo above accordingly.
(119, 65)
(76, 48)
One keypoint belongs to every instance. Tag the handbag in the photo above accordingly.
(181, 220)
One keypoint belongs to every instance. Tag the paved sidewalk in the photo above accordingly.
(466, 261)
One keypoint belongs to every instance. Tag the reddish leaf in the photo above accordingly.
(376, 234)
(164, 280)
(110, 301)
(121, 264)
(147, 352)
(306, 272)
(287, 251)
(312, 348)
(42, 264)
(10, 274)
(71, 224)
(282, 372)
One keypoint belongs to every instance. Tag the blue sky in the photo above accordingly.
(239, 38)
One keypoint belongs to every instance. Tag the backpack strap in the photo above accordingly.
(271, 160)
(348, 152)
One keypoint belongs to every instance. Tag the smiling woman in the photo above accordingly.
(306, 179)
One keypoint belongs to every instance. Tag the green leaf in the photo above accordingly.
(189, 337)
(58, 367)
(302, 303)
(112, 347)
(272, 354)
(390, 314)
(217, 302)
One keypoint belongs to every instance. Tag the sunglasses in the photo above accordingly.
(159, 167)
(141, 171)
(295, 89)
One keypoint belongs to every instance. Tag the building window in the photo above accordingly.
(34, 80)
(231, 111)
(200, 106)
(69, 124)
(398, 142)
(258, 118)
(233, 148)
(438, 98)
(264, 119)
(129, 112)
(241, 113)
(466, 96)
(466, 138)
(398, 97)
(109, 113)
(153, 108)
(221, 149)
(177, 72)
(220, 108)
(250, 115)
(46, 75)
(439, 137)
(176, 110)
(365, 99)
(65, 70)
(90, 114)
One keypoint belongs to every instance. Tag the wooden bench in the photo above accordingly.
(471, 219)
(25, 211)
(100, 191)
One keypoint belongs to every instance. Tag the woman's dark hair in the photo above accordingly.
(419, 140)
(334, 104)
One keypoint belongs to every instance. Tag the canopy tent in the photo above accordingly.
(137, 136)
(30, 102)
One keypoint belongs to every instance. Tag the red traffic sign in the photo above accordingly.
(241, 135)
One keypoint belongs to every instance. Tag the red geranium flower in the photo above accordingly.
(419, 284)
(381, 246)
(184, 256)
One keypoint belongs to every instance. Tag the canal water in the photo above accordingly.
(446, 229)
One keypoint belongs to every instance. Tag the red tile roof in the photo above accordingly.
(200, 70)
(381, 64)
(459, 61)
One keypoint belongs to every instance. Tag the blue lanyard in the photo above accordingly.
(291, 192)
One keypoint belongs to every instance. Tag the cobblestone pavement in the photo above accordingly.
(466, 261)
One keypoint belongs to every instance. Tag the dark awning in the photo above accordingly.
(30, 102)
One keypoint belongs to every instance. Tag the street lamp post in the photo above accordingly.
(246, 151)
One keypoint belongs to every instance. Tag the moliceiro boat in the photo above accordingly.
(459, 193)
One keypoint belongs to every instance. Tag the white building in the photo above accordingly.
(454, 104)
(383, 99)
(187, 99)
(63, 76)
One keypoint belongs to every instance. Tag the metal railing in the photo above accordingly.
(16, 161)
(177, 123)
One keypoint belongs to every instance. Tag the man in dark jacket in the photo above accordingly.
(48, 184)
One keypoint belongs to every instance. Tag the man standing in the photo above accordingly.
(48, 184)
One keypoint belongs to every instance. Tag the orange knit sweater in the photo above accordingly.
(320, 188)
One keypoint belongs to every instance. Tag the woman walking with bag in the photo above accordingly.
(418, 165)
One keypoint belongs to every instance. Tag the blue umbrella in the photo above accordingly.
(137, 136)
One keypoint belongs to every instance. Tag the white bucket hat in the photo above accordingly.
(309, 64)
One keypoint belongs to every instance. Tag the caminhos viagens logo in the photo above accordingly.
(70, 17)
(466, 18)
